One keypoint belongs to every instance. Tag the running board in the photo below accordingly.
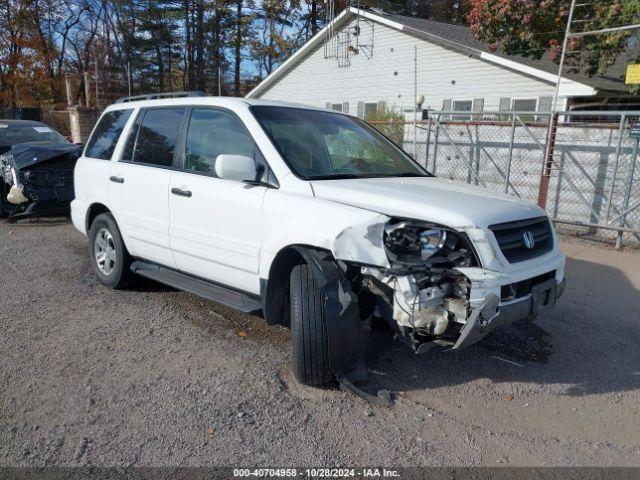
(202, 288)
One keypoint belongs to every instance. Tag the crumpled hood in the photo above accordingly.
(448, 203)
(32, 153)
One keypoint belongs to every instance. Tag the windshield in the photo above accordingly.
(14, 134)
(323, 145)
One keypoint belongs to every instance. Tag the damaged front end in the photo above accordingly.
(422, 295)
(36, 179)
(433, 289)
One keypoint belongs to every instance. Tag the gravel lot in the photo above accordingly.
(153, 376)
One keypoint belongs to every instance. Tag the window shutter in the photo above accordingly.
(382, 107)
(478, 106)
(345, 107)
(545, 104)
(360, 109)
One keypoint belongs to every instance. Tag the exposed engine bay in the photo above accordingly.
(421, 295)
(37, 179)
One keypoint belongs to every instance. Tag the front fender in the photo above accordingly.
(351, 234)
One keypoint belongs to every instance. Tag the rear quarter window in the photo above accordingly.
(105, 137)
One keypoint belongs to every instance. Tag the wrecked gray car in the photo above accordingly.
(36, 170)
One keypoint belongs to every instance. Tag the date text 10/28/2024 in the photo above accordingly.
(316, 472)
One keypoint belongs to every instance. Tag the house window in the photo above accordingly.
(370, 110)
(525, 105)
(336, 106)
(462, 106)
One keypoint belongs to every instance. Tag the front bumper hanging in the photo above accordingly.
(492, 314)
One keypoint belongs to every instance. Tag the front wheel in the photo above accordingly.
(308, 328)
(108, 255)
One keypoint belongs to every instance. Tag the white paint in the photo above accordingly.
(443, 73)
(453, 204)
(230, 232)
(568, 87)
(217, 232)
(140, 206)
(235, 167)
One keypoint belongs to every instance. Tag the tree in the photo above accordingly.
(535, 28)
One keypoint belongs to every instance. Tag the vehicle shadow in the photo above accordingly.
(33, 222)
(586, 345)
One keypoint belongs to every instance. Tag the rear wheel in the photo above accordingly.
(108, 256)
(308, 328)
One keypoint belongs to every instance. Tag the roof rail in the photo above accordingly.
(156, 96)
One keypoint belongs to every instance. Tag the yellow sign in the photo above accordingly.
(633, 74)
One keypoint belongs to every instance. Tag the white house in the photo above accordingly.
(366, 59)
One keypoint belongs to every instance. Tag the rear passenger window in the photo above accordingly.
(154, 143)
(106, 134)
(215, 132)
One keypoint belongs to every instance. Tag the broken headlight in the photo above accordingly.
(415, 243)
(7, 173)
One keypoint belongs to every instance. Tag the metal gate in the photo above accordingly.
(584, 171)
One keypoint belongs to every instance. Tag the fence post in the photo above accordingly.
(627, 191)
(616, 163)
(548, 161)
(478, 152)
(428, 144)
(435, 145)
(556, 206)
(511, 142)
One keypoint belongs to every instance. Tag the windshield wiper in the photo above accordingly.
(410, 174)
(338, 176)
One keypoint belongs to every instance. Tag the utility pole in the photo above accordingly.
(415, 103)
(543, 194)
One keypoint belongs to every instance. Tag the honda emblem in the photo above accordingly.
(529, 240)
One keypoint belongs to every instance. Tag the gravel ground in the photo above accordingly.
(153, 376)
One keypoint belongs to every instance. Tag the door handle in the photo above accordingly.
(116, 179)
(181, 193)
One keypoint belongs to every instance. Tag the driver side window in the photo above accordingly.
(214, 132)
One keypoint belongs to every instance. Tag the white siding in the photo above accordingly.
(442, 74)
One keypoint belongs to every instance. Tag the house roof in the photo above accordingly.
(612, 80)
(461, 39)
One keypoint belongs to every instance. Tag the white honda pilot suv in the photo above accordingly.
(312, 218)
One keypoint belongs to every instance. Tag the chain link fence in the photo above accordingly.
(582, 167)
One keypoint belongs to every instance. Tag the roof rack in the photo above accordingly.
(156, 96)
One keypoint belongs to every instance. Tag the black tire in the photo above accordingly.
(120, 275)
(308, 329)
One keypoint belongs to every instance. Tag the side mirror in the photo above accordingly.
(236, 167)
